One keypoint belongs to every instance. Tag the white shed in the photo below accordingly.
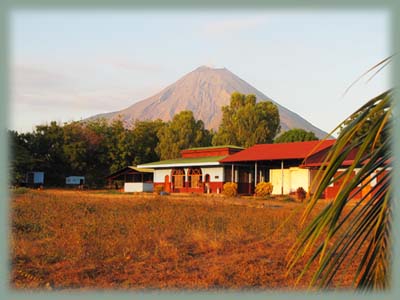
(75, 180)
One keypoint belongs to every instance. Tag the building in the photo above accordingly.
(34, 179)
(379, 176)
(287, 166)
(280, 164)
(199, 170)
(133, 179)
(75, 180)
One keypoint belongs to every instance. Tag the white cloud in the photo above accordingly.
(54, 92)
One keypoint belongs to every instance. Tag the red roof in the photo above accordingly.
(295, 150)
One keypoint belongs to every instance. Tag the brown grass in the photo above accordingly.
(92, 240)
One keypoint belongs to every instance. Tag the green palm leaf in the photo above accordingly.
(341, 232)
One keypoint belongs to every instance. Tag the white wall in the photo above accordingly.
(213, 172)
(292, 179)
(130, 187)
(74, 179)
(159, 175)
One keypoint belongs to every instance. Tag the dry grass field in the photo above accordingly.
(98, 240)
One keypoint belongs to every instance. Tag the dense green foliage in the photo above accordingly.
(246, 122)
(183, 132)
(295, 135)
(94, 150)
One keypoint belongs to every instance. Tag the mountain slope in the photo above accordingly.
(203, 91)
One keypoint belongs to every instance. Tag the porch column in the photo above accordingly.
(232, 174)
(282, 177)
(255, 174)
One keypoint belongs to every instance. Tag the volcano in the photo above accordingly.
(203, 91)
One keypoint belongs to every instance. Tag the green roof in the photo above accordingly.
(215, 147)
(190, 160)
(123, 170)
(141, 170)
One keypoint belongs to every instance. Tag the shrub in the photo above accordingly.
(264, 189)
(301, 194)
(230, 189)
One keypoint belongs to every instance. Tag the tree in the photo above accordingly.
(146, 140)
(21, 160)
(295, 135)
(120, 146)
(246, 122)
(340, 233)
(46, 147)
(183, 132)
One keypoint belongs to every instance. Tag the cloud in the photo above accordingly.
(37, 88)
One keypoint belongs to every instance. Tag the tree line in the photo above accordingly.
(97, 148)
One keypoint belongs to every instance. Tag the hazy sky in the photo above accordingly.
(68, 65)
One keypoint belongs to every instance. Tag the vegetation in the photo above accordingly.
(93, 149)
(230, 189)
(246, 123)
(183, 132)
(97, 148)
(92, 240)
(264, 189)
(301, 194)
(295, 135)
(339, 235)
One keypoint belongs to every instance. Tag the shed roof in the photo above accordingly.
(295, 150)
(130, 169)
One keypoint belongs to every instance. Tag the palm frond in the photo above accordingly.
(339, 233)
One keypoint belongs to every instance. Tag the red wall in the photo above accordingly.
(214, 186)
(208, 152)
(331, 192)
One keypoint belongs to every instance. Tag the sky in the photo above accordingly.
(67, 65)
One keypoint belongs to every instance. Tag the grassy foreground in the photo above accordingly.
(88, 240)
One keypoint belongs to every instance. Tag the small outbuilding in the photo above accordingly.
(132, 178)
(75, 180)
(34, 179)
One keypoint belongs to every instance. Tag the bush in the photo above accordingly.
(230, 189)
(264, 189)
(301, 194)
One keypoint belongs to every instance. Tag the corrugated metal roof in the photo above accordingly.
(295, 150)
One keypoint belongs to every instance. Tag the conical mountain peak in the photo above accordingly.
(204, 91)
